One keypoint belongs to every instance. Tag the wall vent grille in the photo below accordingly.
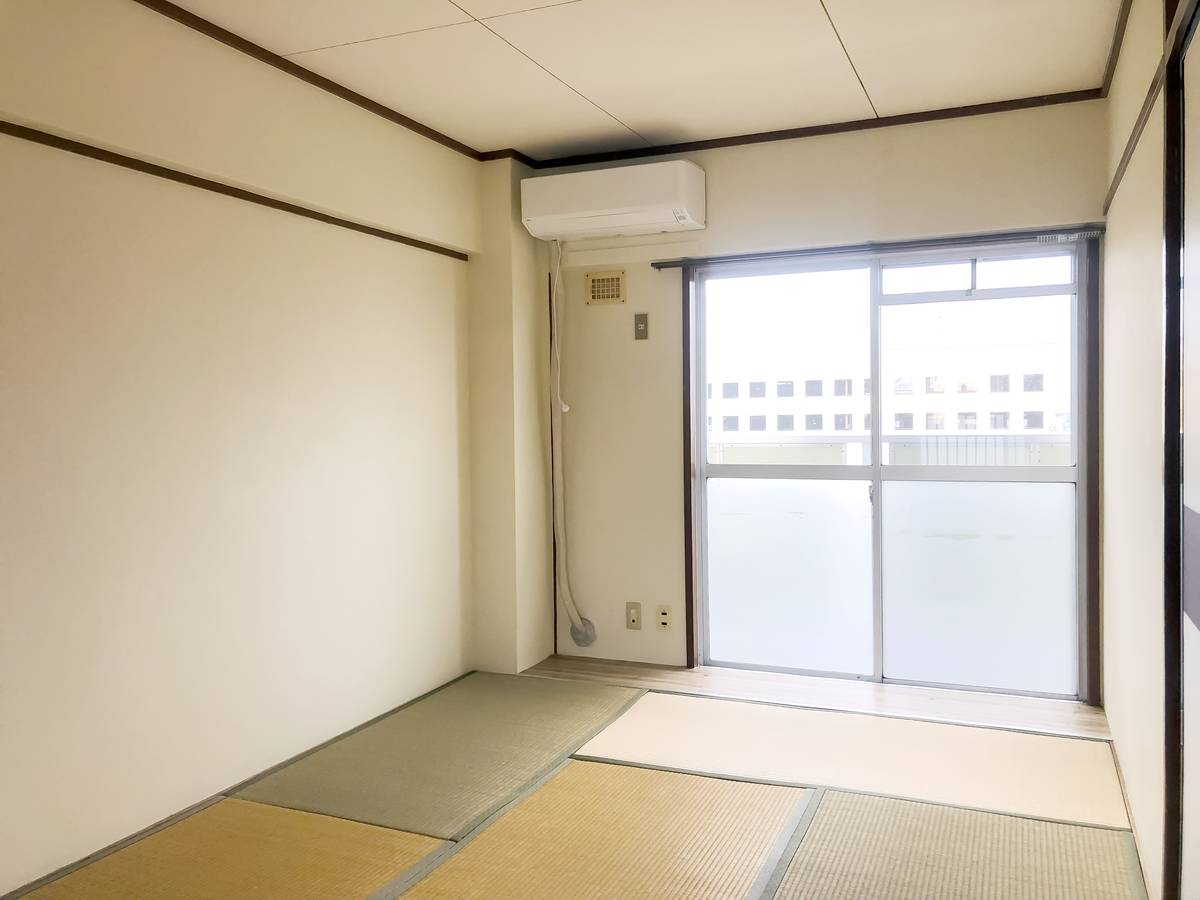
(606, 287)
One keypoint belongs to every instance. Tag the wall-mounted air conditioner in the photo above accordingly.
(645, 199)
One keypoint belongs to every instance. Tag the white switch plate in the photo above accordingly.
(663, 618)
(633, 616)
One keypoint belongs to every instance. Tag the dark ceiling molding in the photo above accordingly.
(229, 39)
(933, 115)
(1176, 33)
(510, 153)
(216, 32)
(1114, 49)
(57, 142)
(1135, 135)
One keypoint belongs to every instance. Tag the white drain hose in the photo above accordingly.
(583, 632)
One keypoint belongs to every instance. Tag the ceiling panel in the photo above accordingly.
(482, 9)
(932, 54)
(289, 26)
(677, 70)
(467, 83)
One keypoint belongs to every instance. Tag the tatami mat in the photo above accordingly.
(866, 848)
(620, 833)
(1028, 774)
(444, 763)
(235, 848)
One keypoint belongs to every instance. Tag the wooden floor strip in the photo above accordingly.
(1033, 714)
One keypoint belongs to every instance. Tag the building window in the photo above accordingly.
(999, 384)
(1000, 420)
(843, 387)
(758, 423)
(785, 389)
(966, 421)
(812, 389)
(902, 386)
(867, 421)
(785, 423)
(867, 386)
(1033, 420)
(729, 390)
(935, 422)
(758, 389)
(710, 423)
(904, 421)
(934, 385)
(1033, 383)
(729, 423)
(813, 423)
(843, 422)
(710, 390)
(967, 386)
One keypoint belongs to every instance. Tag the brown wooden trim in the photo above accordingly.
(689, 470)
(1114, 48)
(933, 115)
(1135, 135)
(216, 32)
(1174, 231)
(46, 139)
(1170, 8)
(1173, 174)
(509, 153)
(1172, 44)
(229, 39)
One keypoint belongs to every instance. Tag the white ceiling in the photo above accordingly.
(555, 78)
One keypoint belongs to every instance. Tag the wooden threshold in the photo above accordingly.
(1033, 714)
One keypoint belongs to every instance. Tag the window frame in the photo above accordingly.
(1083, 291)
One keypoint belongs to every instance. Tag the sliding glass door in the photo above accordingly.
(890, 467)
(787, 471)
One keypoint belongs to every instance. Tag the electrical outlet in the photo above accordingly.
(633, 616)
(663, 622)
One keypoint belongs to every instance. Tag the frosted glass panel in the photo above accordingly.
(979, 584)
(789, 574)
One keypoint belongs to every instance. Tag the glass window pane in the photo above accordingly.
(954, 276)
(789, 574)
(979, 584)
(1027, 272)
(982, 422)
(808, 335)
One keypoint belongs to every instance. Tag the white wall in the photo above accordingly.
(1141, 50)
(512, 586)
(234, 505)
(1131, 442)
(624, 450)
(118, 75)
(231, 506)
